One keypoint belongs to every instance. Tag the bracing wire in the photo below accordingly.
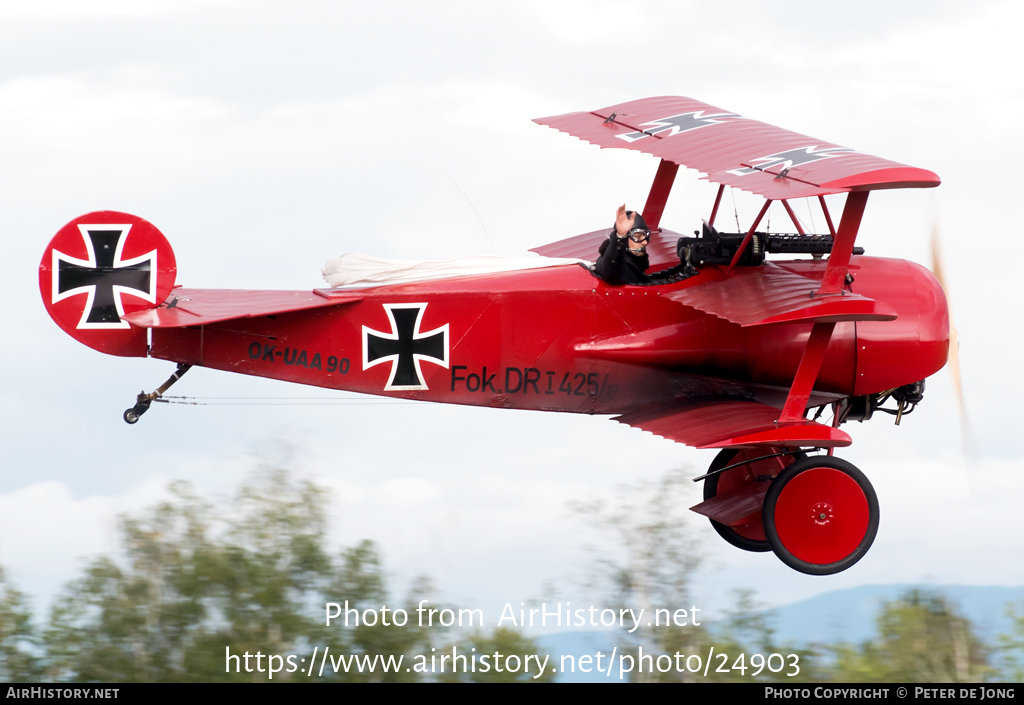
(735, 211)
(279, 401)
(482, 226)
(810, 214)
(168, 396)
(269, 403)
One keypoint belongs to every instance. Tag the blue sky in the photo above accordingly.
(264, 138)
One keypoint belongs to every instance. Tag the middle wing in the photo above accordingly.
(752, 296)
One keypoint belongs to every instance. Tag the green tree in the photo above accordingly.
(18, 638)
(1009, 648)
(140, 621)
(503, 642)
(656, 554)
(921, 638)
(359, 579)
(197, 583)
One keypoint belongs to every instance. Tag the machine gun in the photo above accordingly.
(713, 247)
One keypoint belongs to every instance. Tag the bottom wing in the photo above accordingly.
(731, 423)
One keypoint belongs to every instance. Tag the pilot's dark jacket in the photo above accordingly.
(617, 266)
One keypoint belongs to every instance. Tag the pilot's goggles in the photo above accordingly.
(640, 235)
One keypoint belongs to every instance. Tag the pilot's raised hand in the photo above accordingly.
(623, 223)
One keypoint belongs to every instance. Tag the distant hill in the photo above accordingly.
(832, 617)
(849, 615)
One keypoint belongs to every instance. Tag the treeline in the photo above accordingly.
(195, 582)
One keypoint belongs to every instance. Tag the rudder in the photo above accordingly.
(98, 268)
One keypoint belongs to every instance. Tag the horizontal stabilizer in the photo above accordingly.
(198, 307)
(753, 296)
(359, 270)
(731, 423)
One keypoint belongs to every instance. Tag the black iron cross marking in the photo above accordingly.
(104, 277)
(784, 161)
(405, 346)
(674, 124)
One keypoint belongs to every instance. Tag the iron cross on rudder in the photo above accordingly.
(104, 276)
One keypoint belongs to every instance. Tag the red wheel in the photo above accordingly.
(749, 534)
(820, 515)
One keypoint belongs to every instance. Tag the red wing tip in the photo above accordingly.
(818, 316)
(798, 435)
(892, 177)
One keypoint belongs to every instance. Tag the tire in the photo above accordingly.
(750, 537)
(820, 515)
(130, 416)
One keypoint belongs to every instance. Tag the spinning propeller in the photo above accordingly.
(954, 337)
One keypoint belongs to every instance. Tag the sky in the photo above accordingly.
(264, 138)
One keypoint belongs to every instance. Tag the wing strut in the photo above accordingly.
(718, 201)
(750, 234)
(828, 218)
(660, 189)
(806, 373)
(792, 216)
(842, 247)
(831, 285)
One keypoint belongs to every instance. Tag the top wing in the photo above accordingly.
(198, 307)
(736, 151)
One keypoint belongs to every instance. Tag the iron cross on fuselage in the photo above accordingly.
(405, 347)
(104, 276)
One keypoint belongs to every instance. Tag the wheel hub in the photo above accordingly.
(821, 513)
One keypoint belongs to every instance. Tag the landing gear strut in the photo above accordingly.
(143, 401)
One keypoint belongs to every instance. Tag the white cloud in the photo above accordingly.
(618, 24)
(46, 533)
(63, 9)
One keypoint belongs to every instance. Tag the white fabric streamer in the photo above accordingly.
(351, 270)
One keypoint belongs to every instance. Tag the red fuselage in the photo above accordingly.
(560, 339)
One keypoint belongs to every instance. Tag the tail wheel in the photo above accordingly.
(820, 515)
(748, 535)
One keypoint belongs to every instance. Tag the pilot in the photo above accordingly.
(623, 256)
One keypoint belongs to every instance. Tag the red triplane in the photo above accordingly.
(728, 350)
